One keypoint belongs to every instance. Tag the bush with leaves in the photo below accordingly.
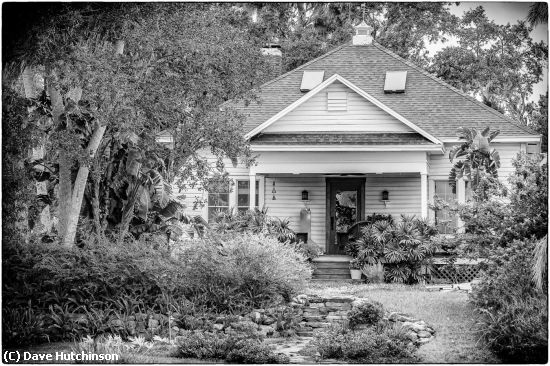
(254, 221)
(514, 311)
(403, 246)
(377, 344)
(57, 293)
(369, 313)
(233, 348)
(236, 272)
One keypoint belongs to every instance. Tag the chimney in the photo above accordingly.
(274, 57)
(363, 34)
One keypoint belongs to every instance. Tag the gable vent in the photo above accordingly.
(337, 101)
(310, 79)
(395, 82)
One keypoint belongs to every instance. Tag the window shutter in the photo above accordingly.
(337, 101)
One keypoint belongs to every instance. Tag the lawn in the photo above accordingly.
(448, 312)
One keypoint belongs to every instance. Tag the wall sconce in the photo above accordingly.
(385, 198)
(274, 191)
(305, 195)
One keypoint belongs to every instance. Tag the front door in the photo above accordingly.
(345, 197)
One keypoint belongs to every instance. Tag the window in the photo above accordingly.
(445, 221)
(243, 195)
(218, 200)
(395, 82)
(337, 101)
(532, 148)
(310, 79)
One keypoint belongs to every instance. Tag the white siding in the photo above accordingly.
(360, 116)
(288, 202)
(404, 194)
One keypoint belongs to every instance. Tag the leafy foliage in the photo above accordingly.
(497, 63)
(366, 313)
(232, 348)
(404, 246)
(514, 322)
(238, 272)
(478, 161)
(380, 344)
(254, 221)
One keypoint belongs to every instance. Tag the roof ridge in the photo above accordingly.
(258, 88)
(306, 64)
(460, 92)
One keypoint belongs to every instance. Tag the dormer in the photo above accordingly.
(363, 34)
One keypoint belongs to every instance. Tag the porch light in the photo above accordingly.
(305, 195)
(274, 191)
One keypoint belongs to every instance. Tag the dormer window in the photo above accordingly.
(310, 79)
(395, 82)
(337, 101)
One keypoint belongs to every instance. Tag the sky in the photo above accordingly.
(502, 13)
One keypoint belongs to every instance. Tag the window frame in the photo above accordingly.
(242, 208)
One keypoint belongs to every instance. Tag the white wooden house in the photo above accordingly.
(357, 129)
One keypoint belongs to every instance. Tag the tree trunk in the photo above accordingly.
(79, 186)
(95, 199)
(82, 177)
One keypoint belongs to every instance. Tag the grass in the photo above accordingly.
(447, 312)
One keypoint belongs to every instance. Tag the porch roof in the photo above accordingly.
(339, 139)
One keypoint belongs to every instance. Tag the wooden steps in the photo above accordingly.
(329, 267)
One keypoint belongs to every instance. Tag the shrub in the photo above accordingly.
(245, 272)
(514, 312)
(236, 348)
(251, 351)
(369, 313)
(378, 344)
(404, 246)
(77, 291)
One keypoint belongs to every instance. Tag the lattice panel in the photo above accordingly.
(458, 273)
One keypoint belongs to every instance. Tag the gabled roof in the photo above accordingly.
(353, 87)
(435, 107)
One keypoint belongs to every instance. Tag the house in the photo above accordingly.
(357, 131)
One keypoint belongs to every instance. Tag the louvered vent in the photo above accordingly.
(337, 101)
(310, 79)
(395, 82)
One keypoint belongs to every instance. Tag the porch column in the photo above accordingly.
(431, 192)
(461, 198)
(424, 194)
(252, 187)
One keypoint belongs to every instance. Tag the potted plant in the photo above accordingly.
(355, 266)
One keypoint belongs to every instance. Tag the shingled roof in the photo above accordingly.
(340, 138)
(428, 102)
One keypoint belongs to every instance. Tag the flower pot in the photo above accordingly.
(355, 274)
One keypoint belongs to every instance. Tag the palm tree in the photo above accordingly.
(478, 160)
(538, 14)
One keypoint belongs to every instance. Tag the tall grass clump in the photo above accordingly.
(240, 271)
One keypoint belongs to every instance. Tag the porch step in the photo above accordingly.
(331, 267)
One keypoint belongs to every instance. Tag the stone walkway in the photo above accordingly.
(322, 312)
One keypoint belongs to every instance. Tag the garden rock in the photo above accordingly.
(218, 327)
(268, 320)
(412, 336)
(424, 334)
(266, 330)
